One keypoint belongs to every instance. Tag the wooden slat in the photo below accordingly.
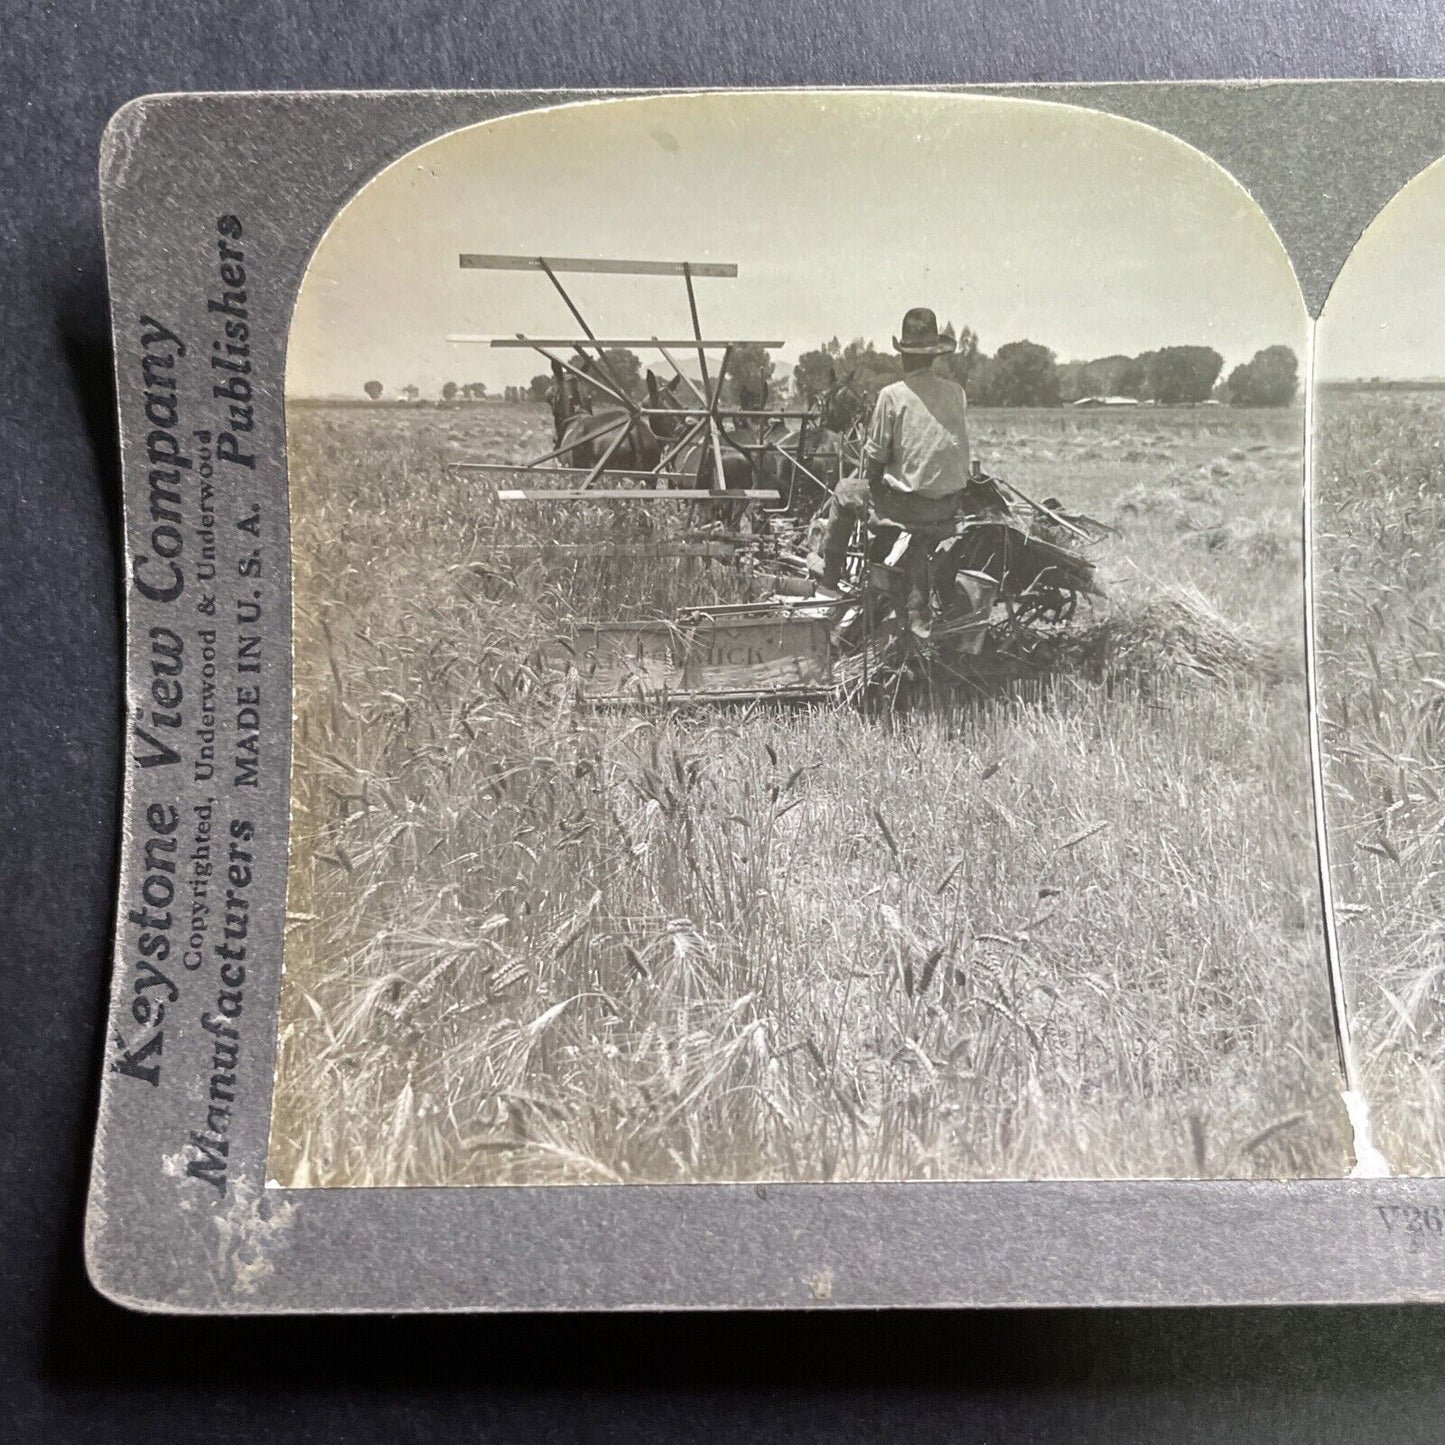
(616, 662)
(779, 653)
(634, 494)
(548, 551)
(727, 413)
(775, 656)
(523, 343)
(669, 480)
(679, 697)
(596, 265)
(763, 611)
(540, 471)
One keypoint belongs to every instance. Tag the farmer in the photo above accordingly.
(915, 462)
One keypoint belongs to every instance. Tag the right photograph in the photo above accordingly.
(1379, 504)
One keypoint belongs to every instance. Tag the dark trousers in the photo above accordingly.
(855, 500)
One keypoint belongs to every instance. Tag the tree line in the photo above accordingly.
(1019, 373)
(748, 384)
(451, 391)
(1024, 373)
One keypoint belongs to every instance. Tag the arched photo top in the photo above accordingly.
(1088, 233)
(1381, 319)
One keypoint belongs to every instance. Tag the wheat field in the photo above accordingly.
(1380, 516)
(1068, 933)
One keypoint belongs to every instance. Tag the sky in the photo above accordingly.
(1385, 314)
(1085, 232)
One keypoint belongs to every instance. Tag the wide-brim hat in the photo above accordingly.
(921, 336)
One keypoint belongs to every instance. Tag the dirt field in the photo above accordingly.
(1379, 522)
(1073, 935)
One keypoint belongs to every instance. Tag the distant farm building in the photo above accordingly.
(1106, 401)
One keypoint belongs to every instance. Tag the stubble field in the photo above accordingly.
(1070, 934)
(1379, 522)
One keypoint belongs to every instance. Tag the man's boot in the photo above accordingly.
(826, 567)
(920, 603)
(920, 615)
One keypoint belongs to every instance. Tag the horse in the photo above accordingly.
(761, 452)
(697, 460)
(696, 457)
(663, 399)
(832, 445)
(844, 410)
(583, 434)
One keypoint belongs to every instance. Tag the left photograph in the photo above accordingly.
(799, 659)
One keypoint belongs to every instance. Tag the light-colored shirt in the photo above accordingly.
(919, 433)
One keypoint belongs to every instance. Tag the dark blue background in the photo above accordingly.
(76, 1368)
